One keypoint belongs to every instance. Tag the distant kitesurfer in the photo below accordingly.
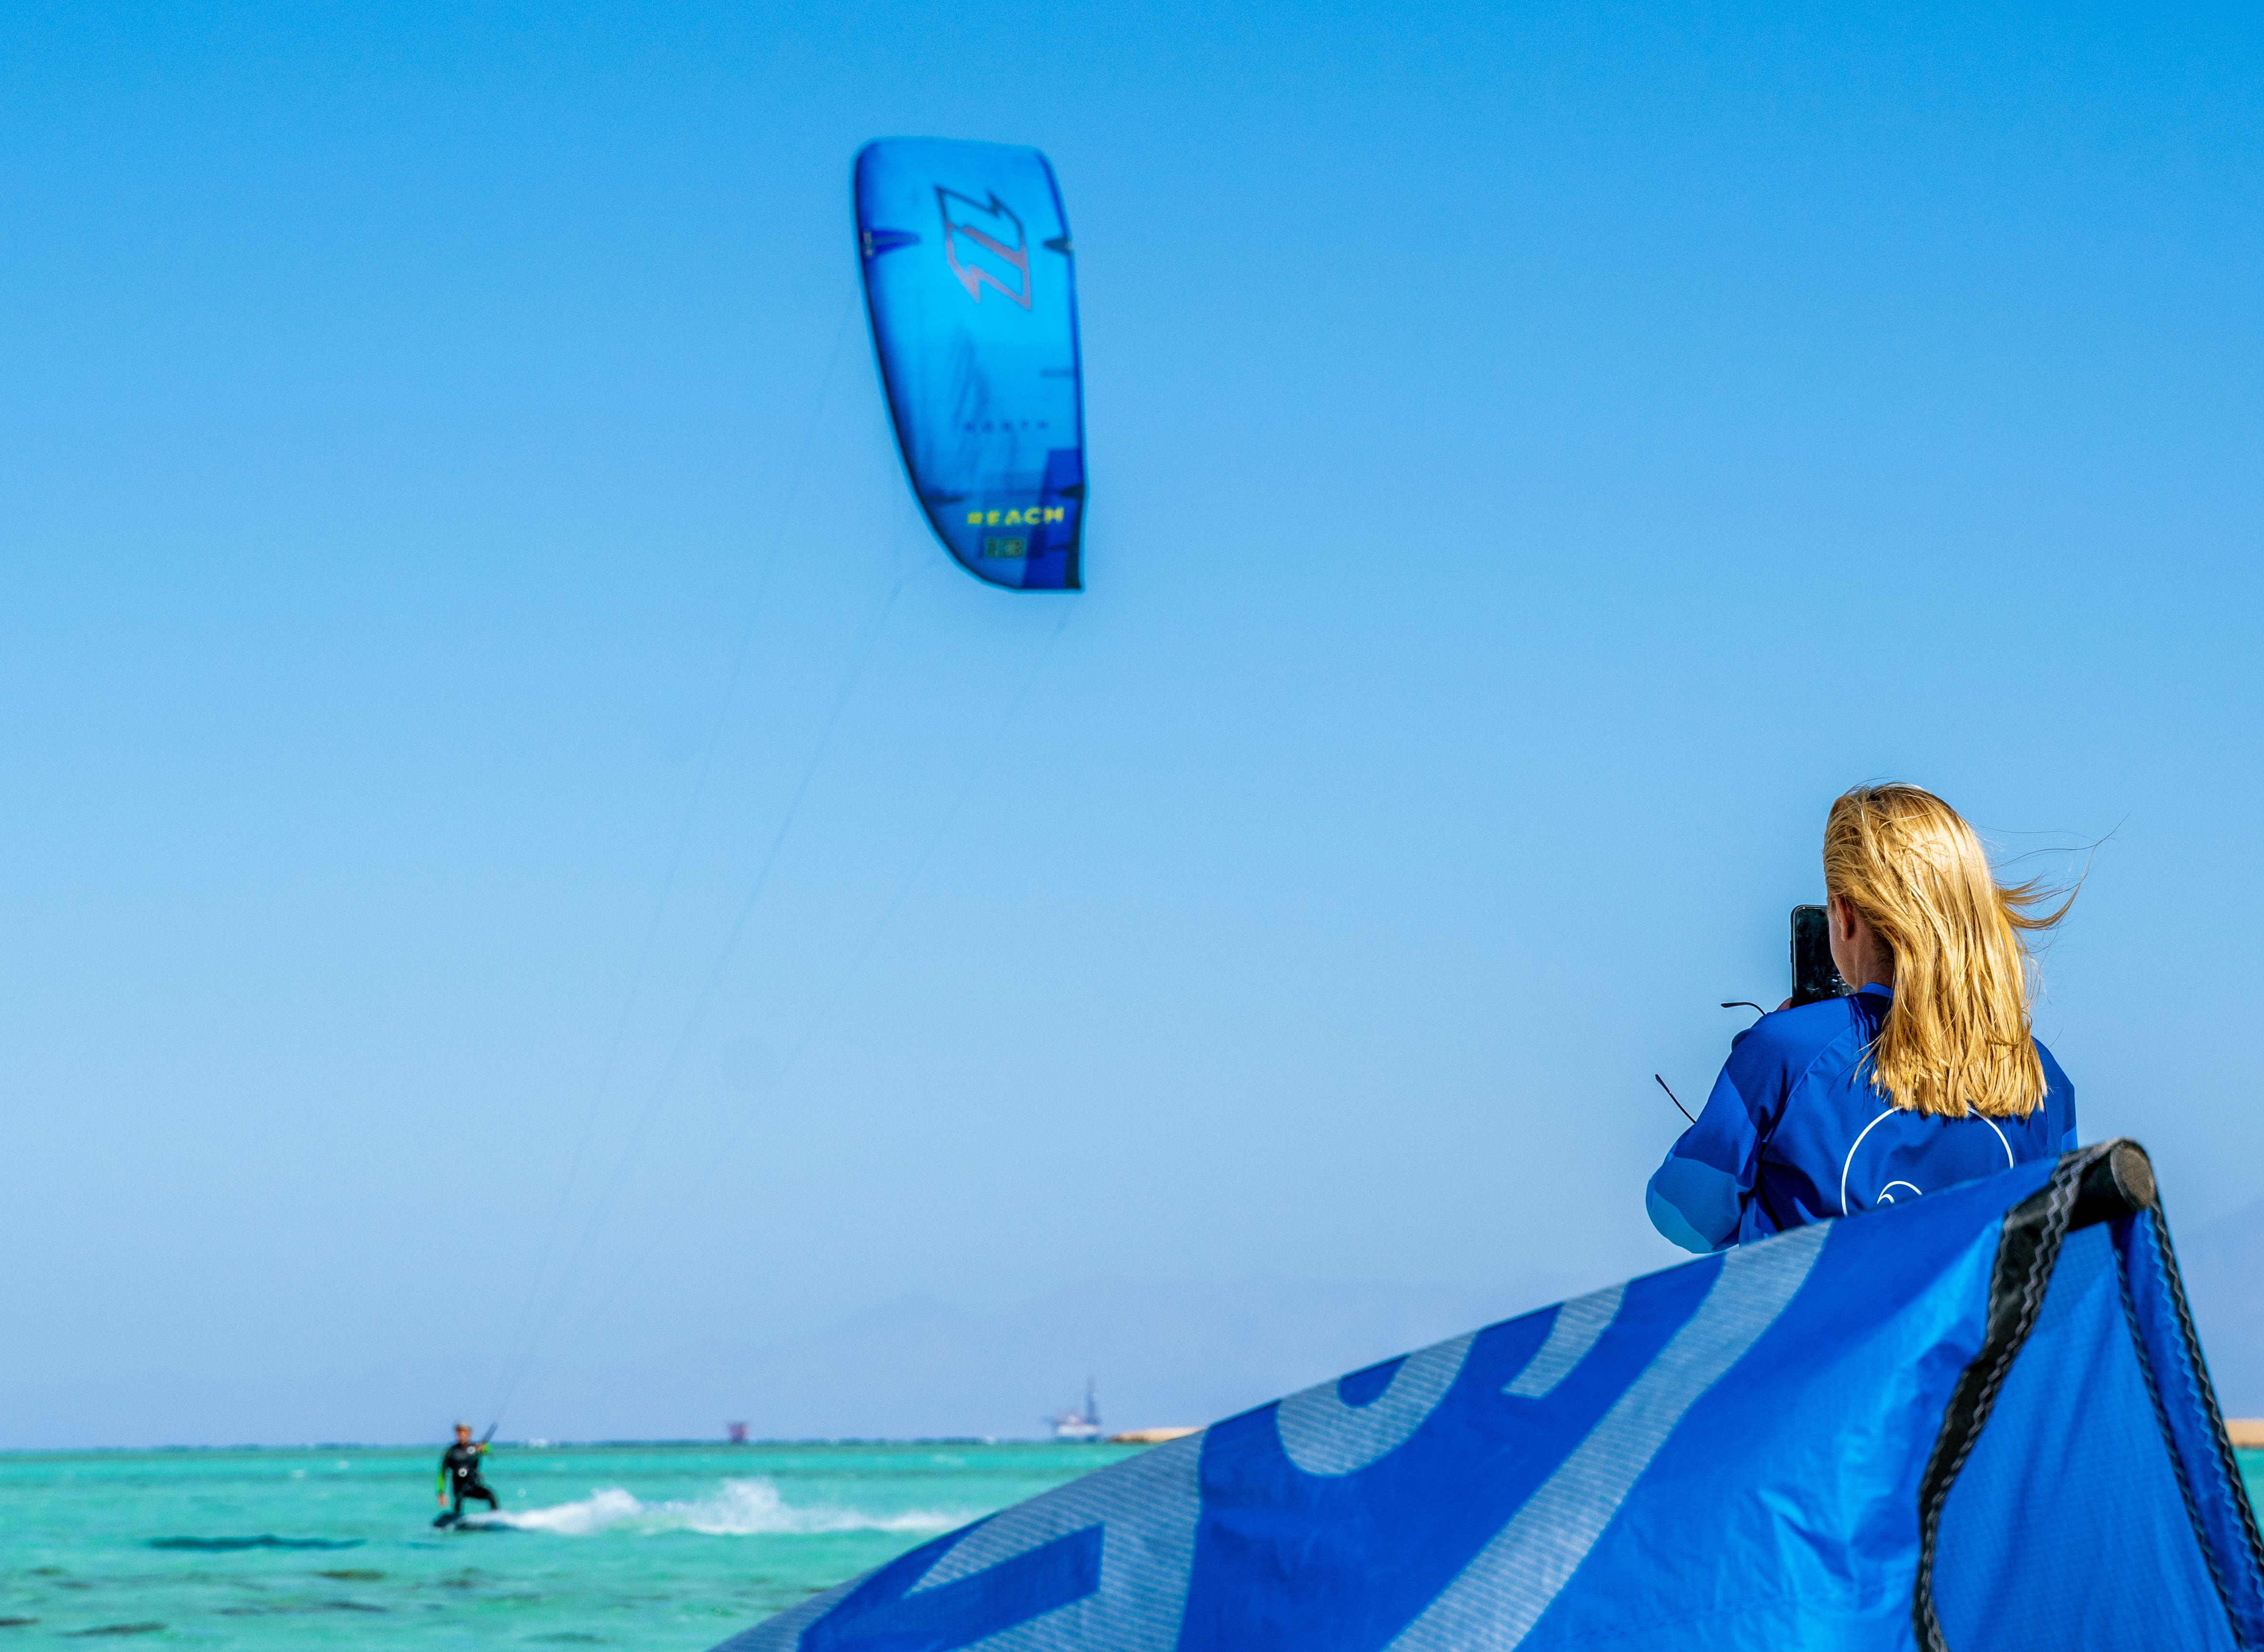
(460, 1473)
(1923, 1074)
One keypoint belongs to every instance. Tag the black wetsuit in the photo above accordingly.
(460, 1471)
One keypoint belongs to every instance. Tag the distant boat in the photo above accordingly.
(738, 1433)
(1154, 1436)
(1071, 1424)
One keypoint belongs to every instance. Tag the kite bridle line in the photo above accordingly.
(717, 1160)
(625, 1161)
(518, 1352)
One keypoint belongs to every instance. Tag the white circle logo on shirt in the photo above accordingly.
(1879, 1168)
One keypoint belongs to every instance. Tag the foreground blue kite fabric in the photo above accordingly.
(969, 281)
(1978, 1420)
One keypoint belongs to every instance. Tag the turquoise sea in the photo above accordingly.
(662, 1548)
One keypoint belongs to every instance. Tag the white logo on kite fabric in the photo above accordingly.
(1501, 1594)
(1146, 1509)
(1324, 1436)
(1579, 1323)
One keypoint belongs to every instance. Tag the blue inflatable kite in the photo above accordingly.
(969, 281)
(1971, 1422)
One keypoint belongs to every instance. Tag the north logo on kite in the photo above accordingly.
(980, 256)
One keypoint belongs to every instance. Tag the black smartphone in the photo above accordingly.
(1814, 974)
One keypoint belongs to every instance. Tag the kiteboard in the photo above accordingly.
(449, 1521)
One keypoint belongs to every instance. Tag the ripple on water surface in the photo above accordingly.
(642, 1547)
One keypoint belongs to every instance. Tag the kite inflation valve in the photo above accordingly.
(2120, 1181)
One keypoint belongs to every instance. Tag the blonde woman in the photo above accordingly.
(1925, 1075)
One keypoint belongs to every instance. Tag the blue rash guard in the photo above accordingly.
(1794, 1132)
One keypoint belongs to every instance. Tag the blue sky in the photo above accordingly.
(1539, 457)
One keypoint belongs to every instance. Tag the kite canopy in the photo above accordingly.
(1978, 1421)
(971, 284)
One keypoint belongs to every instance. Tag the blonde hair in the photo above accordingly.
(1956, 1041)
